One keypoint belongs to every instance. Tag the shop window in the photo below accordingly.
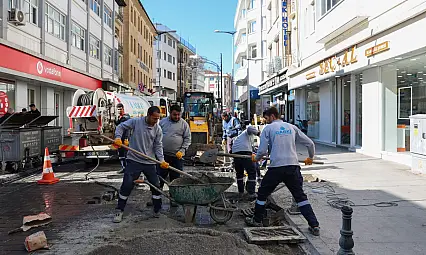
(7, 96)
(107, 55)
(313, 112)
(95, 46)
(78, 36)
(54, 22)
(327, 5)
(31, 9)
(358, 80)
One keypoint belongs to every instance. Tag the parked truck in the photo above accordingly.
(95, 112)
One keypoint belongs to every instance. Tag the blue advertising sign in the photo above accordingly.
(254, 94)
(285, 22)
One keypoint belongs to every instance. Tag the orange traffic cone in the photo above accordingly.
(48, 175)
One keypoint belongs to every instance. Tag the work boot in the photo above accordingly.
(149, 204)
(157, 214)
(118, 216)
(314, 230)
(252, 223)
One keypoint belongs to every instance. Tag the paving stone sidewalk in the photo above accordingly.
(365, 181)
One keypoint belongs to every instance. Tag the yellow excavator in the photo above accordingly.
(199, 113)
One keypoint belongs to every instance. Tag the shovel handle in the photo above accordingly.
(264, 158)
(154, 160)
(140, 181)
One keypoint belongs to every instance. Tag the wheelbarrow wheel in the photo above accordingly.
(218, 215)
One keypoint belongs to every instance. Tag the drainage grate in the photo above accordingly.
(282, 234)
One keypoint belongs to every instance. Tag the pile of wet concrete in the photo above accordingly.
(182, 241)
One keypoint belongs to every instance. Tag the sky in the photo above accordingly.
(195, 21)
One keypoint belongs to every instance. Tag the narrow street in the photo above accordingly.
(82, 220)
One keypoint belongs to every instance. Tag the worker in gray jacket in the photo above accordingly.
(281, 137)
(243, 145)
(147, 138)
(176, 140)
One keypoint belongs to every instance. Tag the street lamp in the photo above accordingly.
(233, 63)
(159, 33)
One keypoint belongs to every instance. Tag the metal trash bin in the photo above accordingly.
(51, 136)
(20, 146)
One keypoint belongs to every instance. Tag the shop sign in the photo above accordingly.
(311, 75)
(285, 22)
(142, 65)
(4, 103)
(332, 64)
(277, 80)
(377, 49)
(22, 62)
(212, 86)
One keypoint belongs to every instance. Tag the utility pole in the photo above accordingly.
(221, 84)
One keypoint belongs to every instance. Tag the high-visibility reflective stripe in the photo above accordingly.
(156, 197)
(303, 203)
(240, 179)
(121, 158)
(122, 197)
(252, 180)
(260, 202)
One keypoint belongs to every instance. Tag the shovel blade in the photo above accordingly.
(209, 156)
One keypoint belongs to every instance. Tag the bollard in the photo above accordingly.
(346, 242)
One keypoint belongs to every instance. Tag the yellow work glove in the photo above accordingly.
(179, 155)
(126, 142)
(223, 142)
(164, 165)
(118, 142)
(308, 161)
(253, 157)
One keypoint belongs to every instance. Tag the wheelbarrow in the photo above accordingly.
(190, 194)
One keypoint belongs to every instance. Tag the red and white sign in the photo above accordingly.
(212, 86)
(4, 103)
(82, 111)
(23, 62)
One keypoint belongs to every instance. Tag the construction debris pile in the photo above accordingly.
(183, 241)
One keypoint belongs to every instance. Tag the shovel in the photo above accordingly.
(155, 160)
(210, 157)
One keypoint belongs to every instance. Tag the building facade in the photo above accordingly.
(166, 48)
(138, 60)
(51, 48)
(358, 83)
(212, 84)
(185, 51)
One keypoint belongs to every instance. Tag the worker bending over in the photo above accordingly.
(147, 138)
(243, 145)
(122, 153)
(281, 138)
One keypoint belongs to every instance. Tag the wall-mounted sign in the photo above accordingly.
(332, 64)
(277, 80)
(377, 49)
(311, 75)
(285, 22)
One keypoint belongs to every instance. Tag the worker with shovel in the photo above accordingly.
(281, 138)
(243, 145)
(147, 138)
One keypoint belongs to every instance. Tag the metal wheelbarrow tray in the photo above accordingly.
(190, 194)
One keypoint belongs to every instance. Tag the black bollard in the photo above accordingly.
(346, 242)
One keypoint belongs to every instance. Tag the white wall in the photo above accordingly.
(389, 81)
(21, 95)
(372, 100)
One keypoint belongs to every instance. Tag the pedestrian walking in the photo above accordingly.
(147, 138)
(281, 138)
(231, 127)
(243, 145)
(122, 153)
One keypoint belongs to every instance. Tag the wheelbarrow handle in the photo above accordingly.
(154, 160)
(141, 181)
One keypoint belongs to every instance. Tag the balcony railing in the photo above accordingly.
(278, 63)
(120, 48)
(120, 15)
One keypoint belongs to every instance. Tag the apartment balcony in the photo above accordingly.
(119, 15)
(240, 51)
(120, 48)
(277, 64)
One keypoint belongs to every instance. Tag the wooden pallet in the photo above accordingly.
(266, 235)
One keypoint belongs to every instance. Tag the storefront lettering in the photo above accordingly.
(377, 49)
(311, 75)
(331, 64)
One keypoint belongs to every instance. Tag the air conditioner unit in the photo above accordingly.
(16, 17)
